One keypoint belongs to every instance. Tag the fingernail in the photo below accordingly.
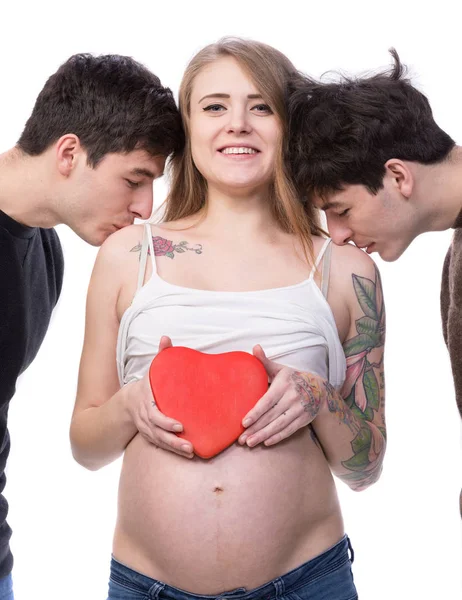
(242, 439)
(186, 448)
(251, 443)
(177, 427)
(247, 422)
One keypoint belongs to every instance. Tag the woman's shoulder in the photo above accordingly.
(352, 269)
(354, 282)
(349, 259)
(118, 244)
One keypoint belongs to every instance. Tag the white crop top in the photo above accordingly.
(293, 324)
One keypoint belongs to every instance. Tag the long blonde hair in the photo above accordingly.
(270, 70)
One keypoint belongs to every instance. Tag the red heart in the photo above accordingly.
(208, 393)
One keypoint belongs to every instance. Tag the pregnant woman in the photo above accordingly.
(237, 263)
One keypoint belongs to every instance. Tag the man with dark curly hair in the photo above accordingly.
(368, 152)
(99, 134)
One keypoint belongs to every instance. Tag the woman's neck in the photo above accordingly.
(239, 213)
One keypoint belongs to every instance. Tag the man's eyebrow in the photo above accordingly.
(142, 171)
(220, 95)
(327, 205)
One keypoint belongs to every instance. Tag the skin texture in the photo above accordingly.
(254, 511)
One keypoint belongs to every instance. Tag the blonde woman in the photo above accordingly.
(238, 263)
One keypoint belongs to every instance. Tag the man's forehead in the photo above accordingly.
(144, 165)
(143, 172)
(336, 199)
(326, 204)
(135, 158)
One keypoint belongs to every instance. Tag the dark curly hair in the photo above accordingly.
(344, 132)
(112, 103)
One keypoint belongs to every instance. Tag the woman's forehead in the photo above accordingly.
(223, 77)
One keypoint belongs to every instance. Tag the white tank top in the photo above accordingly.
(293, 324)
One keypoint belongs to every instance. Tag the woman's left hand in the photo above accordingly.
(292, 401)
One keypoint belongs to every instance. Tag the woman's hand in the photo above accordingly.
(153, 425)
(292, 402)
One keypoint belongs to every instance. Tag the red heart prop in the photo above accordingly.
(208, 393)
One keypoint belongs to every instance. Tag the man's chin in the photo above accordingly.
(389, 254)
(94, 238)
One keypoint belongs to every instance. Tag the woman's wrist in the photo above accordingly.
(126, 401)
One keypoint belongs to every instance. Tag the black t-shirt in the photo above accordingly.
(31, 275)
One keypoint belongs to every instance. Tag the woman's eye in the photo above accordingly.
(344, 212)
(214, 107)
(262, 108)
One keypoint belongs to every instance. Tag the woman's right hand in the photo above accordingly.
(153, 425)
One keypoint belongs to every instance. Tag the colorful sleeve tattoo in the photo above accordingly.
(364, 389)
(360, 403)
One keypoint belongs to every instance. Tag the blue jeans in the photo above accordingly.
(6, 588)
(325, 577)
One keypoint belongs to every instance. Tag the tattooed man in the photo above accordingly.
(99, 134)
(369, 153)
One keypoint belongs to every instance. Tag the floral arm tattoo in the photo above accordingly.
(360, 403)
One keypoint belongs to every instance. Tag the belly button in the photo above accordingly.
(218, 489)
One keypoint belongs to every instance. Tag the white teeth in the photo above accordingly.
(239, 150)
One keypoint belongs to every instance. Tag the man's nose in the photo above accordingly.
(340, 234)
(141, 207)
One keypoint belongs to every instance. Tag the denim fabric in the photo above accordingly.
(325, 577)
(6, 588)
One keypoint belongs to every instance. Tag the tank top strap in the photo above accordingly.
(319, 257)
(326, 270)
(146, 247)
(151, 247)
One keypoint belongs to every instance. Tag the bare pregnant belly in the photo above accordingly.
(237, 520)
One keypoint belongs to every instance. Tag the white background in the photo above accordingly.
(405, 529)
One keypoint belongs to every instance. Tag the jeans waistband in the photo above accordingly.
(329, 560)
